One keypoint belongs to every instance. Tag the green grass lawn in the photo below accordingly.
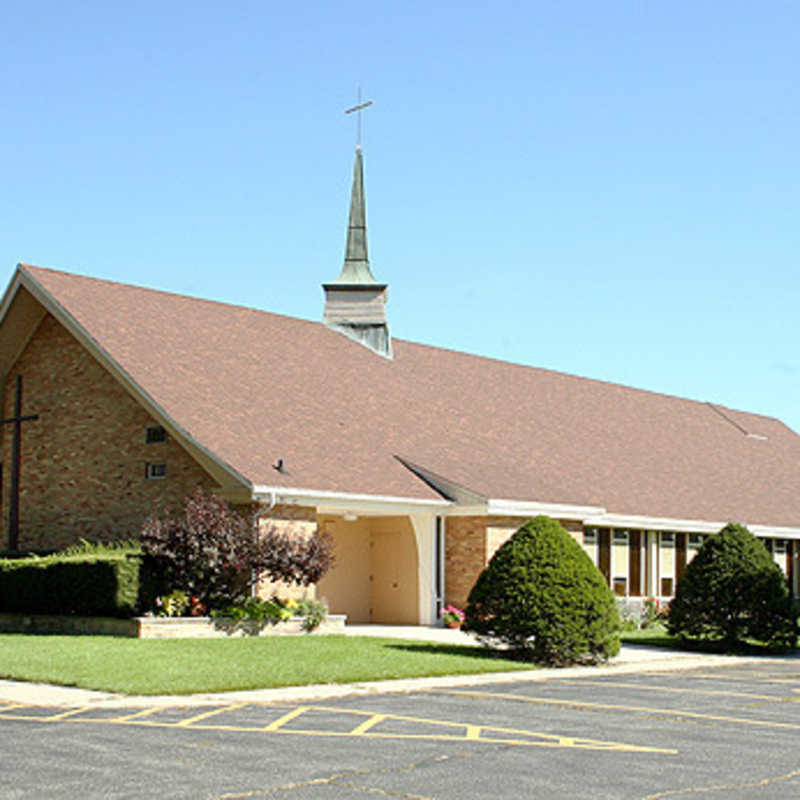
(654, 636)
(658, 637)
(183, 666)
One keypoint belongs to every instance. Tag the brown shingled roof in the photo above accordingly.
(253, 387)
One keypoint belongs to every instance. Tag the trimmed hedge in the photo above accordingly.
(101, 584)
(732, 591)
(13, 554)
(542, 597)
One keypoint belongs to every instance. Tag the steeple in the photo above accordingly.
(355, 303)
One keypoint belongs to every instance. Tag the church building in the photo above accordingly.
(419, 461)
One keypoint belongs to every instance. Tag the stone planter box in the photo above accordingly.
(160, 627)
(224, 627)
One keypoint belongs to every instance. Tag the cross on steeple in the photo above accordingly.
(16, 456)
(358, 108)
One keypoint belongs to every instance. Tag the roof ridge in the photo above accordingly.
(166, 292)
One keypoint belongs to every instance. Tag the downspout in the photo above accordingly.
(273, 500)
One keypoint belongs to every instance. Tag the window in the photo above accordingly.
(620, 587)
(620, 537)
(156, 472)
(666, 587)
(695, 540)
(667, 539)
(155, 433)
(590, 536)
(780, 547)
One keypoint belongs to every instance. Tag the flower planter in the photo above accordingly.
(225, 627)
(162, 627)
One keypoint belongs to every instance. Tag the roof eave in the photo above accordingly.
(347, 501)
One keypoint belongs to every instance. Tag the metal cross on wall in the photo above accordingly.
(16, 456)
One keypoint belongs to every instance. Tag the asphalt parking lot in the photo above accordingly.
(727, 732)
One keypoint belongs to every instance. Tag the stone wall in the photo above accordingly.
(84, 460)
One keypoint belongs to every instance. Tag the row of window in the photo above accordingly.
(624, 566)
(621, 537)
(695, 540)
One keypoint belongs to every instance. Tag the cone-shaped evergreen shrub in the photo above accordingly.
(733, 590)
(542, 596)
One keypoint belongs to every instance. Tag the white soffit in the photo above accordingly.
(683, 525)
(596, 516)
(522, 508)
(336, 502)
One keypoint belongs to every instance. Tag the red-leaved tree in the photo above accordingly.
(216, 554)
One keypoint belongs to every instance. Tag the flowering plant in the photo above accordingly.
(654, 613)
(172, 604)
(453, 617)
(196, 608)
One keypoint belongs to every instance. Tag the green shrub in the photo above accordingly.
(542, 597)
(85, 580)
(732, 590)
(172, 604)
(275, 610)
(313, 613)
(257, 610)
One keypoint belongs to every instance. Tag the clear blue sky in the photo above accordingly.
(608, 189)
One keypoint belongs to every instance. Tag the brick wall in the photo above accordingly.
(470, 544)
(84, 459)
(300, 521)
(464, 557)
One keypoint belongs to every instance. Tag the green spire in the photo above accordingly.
(355, 303)
(356, 260)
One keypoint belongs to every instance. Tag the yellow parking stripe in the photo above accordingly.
(281, 721)
(66, 714)
(145, 712)
(612, 707)
(746, 679)
(367, 724)
(465, 732)
(677, 690)
(185, 723)
(476, 733)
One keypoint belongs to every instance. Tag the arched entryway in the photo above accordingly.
(376, 574)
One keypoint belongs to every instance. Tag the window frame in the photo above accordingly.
(155, 434)
(155, 471)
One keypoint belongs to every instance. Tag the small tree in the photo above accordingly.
(543, 597)
(733, 590)
(216, 554)
(285, 557)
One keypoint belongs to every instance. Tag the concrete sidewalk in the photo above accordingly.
(631, 659)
